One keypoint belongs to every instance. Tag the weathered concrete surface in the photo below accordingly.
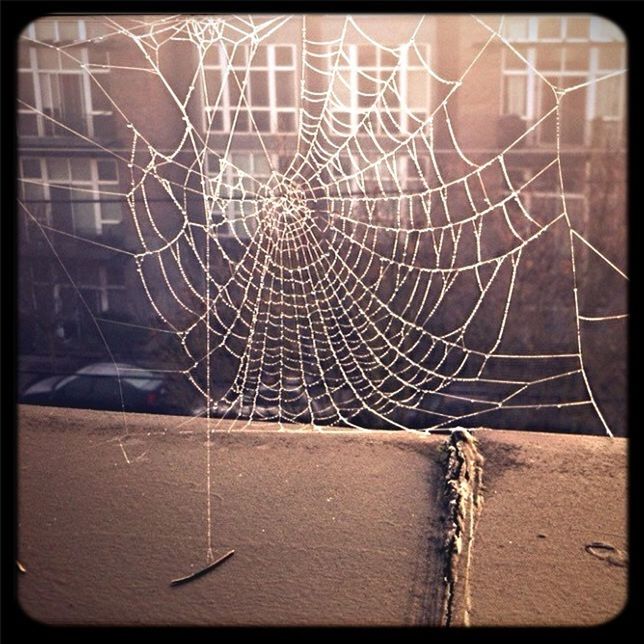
(328, 527)
(547, 498)
(337, 528)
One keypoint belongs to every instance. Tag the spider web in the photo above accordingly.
(356, 278)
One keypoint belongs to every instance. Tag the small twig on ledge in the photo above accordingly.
(203, 571)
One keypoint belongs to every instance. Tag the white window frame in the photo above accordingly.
(94, 186)
(400, 77)
(40, 76)
(596, 31)
(102, 290)
(535, 86)
(80, 24)
(240, 73)
(235, 227)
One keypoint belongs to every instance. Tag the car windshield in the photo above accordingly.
(139, 378)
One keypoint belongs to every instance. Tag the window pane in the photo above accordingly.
(48, 58)
(97, 55)
(260, 58)
(243, 122)
(388, 59)
(366, 56)
(49, 94)
(45, 30)
(213, 79)
(512, 61)
(111, 211)
(24, 59)
(549, 27)
(241, 161)
(235, 56)
(516, 28)
(26, 88)
(58, 169)
(33, 192)
(61, 208)
(234, 84)
(285, 122)
(515, 95)
(576, 57)
(31, 168)
(578, 28)
(547, 130)
(341, 120)
(390, 96)
(573, 106)
(70, 59)
(259, 89)
(262, 166)
(83, 210)
(549, 58)
(417, 85)
(216, 121)
(283, 55)
(81, 169)
(602, 29)
(610, 57)
(94, 301)
(211, 57)
(416, 119)
(95, 28)
(284, 90)
(107, 170)
(262, 121)
(574, 179)
(27, 125)
(283, 163)
(608, 95)
(367, 91)
(68, 29)
(103, 127)
(100, 102)
(73, 110)
(341, 89)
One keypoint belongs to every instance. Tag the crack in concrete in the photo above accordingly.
(463, 484)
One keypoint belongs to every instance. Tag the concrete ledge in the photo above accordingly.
(332, 527)
(547, 499)
(328, 528)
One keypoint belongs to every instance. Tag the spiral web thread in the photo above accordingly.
(364, 265)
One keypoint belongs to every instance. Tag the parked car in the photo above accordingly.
(106, 386)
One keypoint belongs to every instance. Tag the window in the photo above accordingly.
(390, 86)
(239, 183)
(557, 28)
(60, 89)
(248, 90)
(75, 195)
(100, 285)
(567, 51)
